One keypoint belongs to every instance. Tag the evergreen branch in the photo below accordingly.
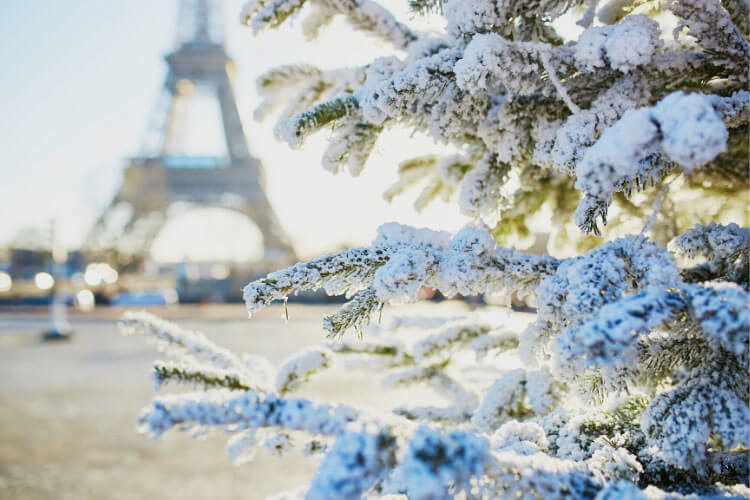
(369, 16)
(273, 14)
(286, 76)
(724, 316)
(446, 339)
(482, 191)
(710, 23)
(401, 261)
(171, 338)
(246, 410)
(299, 367)
(589, 211)
(516, 473)
(440, 464)
(356, 313)
(434, 376)
(620, 425)
(607, 343)
(362, 14)
(305, 98)
(705, 405)
(662, 355)
(495, 340)
(249, 9)
(725, 248)
(450, 414)
(320, 16)
(410, 172)
(504, 400)
(428, 194)
(392, 352)
(426, 6)
(739, 11)
(351, 144)
(336, 273)
(735, 109)
(366, 456)
(205, 376)
(714, 242)
(294, 130)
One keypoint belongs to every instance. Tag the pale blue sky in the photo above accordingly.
(79, 79)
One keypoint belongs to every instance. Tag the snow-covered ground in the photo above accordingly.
(68, 410)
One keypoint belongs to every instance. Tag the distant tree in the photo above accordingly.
(635, 377)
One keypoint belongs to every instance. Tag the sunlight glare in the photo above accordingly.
(208, 235)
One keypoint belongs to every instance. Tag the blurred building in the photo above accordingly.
(172, 170)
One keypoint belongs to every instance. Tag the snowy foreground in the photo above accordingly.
(68, 411)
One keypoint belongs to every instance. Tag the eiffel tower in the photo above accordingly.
(160, 178)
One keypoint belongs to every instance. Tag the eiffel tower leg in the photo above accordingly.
(277, 249)
(230, 116)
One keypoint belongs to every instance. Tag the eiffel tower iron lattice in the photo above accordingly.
(159, 178)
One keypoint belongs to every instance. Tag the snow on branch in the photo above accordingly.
(441, 464)
(711, 25)
(242, 410)
(497, 341)
(371, 16)
(508, 18)
(623, 46)
(355, 463)
(517, 474)
(203, 375)
(607, 343)
(297, 369)
(285, 76)
(504, 400)
(583, 285)
(504, 83)
(705, 406)
(272, 14)
(489, 60)
(364, 15)
(356, 313)
(683, 127)
(713, 241)
(172, 339)
(294, 130)
(350, 145)
(735, 109)
(633, 373)
(400, 262)
(441, 177)
(724, 314)
(446, 338)
(606, 337)
(435, 376)
(335, 273)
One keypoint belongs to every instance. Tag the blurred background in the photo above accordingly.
(133, 172)
(133, 175)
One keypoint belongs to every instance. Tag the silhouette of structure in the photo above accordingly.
(161, 177)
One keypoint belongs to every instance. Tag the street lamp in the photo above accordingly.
(59, 328)
(6, 282)
(44, 281)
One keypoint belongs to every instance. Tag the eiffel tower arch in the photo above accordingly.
(161, 177)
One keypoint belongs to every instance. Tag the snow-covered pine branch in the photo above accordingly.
(631, 379)
(529, 99)
(725, 249)
(365, 15)
(401, 261)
